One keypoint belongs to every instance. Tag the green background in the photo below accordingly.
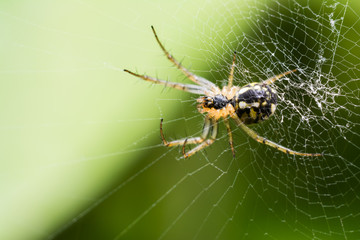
(78, 134)
(72, 121)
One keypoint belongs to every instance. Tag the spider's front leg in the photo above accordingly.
(196, 79)
(184, 87)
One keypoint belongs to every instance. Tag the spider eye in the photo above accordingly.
(220, 101)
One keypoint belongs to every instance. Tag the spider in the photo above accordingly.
(249, 104)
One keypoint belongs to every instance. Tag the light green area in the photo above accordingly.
(67, 108)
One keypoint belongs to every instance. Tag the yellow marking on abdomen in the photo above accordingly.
(252, 114)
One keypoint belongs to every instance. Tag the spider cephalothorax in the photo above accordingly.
(217, 102)
(216, 107)
(249, 104)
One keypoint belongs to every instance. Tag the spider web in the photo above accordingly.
(262, 193)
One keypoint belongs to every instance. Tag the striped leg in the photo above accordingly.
(262, 140)
(184, 87)
(227, 124)
(184, 141)
(231, 76)
(273, 79)
(205, 143)
(196, 79)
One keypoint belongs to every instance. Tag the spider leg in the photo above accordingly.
(262, 140)
(184, 141)
(196, 79)
(273, 79)
(184, 87)
(231, 76)
(205, 143)
(227, 124)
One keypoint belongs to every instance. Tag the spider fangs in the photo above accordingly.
(249, 104)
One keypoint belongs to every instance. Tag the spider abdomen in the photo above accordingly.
(255, 102)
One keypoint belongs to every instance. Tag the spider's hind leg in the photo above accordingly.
(231, 75)
(273, 79)
(263, 140)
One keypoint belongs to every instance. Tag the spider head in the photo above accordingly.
(215, 107)
(217, 102)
